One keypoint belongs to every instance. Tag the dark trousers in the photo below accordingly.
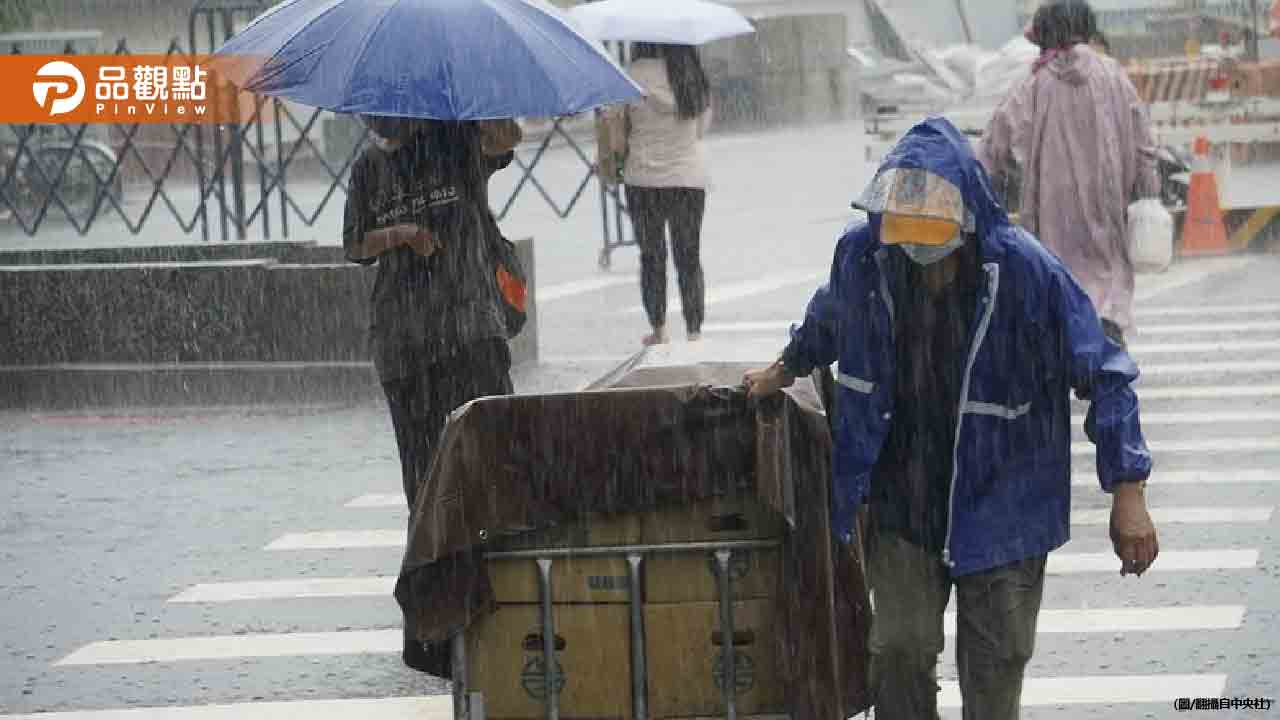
(995, 633)
(652, 211)
(420, 405)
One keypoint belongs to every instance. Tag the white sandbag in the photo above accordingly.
(1150, 235)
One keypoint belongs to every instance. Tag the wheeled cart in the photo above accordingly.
(469, 703)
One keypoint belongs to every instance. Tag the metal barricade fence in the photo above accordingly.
(227, 181)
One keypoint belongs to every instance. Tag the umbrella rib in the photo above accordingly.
(251, 81)
(364, 46)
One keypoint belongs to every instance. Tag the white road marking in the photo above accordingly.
(1182, 515)
(1187, 274)
(761, 326)
(224, 647)
(278, 589)
(580, 287)
(1194, 477)
(1203, 418)
(1212, 368)
(1104, 689)
(1140, 350)
(1061, 563)
(1213, 446)
(339, 540)
(433, 707)
(381, 500)
(1208, 392)
(1201, 311)
(1131, 619)
(1208, 328)
(738, 291)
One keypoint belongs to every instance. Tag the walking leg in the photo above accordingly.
(649, 224)
(995, 636)
(686, 247)
(909, 590)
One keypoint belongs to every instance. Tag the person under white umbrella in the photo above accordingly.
(671, 22)
(665, 170)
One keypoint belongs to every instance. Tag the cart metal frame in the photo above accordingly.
(469, 705)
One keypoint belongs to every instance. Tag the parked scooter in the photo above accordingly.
(29, 178)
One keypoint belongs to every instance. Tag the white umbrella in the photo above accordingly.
(675, 22)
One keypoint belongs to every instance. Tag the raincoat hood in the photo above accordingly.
(936, 147)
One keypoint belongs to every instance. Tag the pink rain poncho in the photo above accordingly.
(1079, 135)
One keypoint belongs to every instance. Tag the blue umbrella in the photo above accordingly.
(440, 59)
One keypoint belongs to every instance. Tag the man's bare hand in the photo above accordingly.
(422, 242)
(1133, 535)
(767, 381)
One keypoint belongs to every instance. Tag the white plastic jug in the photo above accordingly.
(1150, 235)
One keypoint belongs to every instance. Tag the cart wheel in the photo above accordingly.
(606, 261)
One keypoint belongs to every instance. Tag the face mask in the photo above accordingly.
(930, 254)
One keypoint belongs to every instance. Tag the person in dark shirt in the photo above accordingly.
(418, 206)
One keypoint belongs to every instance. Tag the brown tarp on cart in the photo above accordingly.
(517, 464)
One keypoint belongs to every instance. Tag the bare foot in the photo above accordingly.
(657, 337)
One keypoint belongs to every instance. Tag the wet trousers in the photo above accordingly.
(421, 402)
(420, 405)
(995, 634)
(652, 211)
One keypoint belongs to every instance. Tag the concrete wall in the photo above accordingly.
(191, 324)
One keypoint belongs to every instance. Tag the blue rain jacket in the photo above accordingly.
(1035, 336)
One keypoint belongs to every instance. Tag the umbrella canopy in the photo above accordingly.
(438, 59)
(676, 22)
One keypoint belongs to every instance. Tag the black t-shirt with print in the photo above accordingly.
(428, 308)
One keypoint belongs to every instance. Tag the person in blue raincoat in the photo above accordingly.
(958, 339)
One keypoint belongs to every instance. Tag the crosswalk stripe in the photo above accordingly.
(339, 539)
(1194, 311)
(1211, 368)
(749, 326)
(1208, 392)
(1169, 560)
(380, 500)
(1182, 515)
(1214, 446)
(1194, 477)
(1104, 689)
(1208, 328)
(395, 538)
(1140, 350)
(1202, 418)
(431, 707)
(224, 647)
(1152, 329)
(1131, 619)
(580, 287)
(738, 291)
(278, 589)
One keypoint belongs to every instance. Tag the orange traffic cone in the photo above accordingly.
(1203, 232)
